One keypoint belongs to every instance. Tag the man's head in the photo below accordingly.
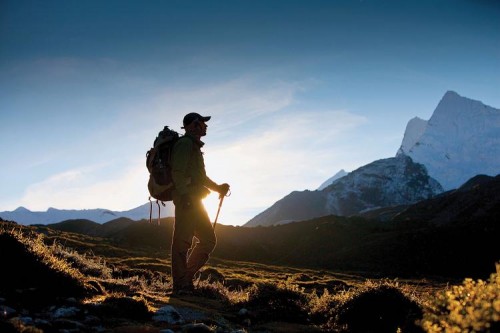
(195, 124)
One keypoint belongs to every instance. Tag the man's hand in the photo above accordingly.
(186, 201)
(223, 189)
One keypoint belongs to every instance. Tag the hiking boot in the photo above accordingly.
(181, 292)
(185, 290)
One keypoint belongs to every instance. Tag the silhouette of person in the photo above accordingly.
(191, 219)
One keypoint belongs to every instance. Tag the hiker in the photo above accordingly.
(191, 219)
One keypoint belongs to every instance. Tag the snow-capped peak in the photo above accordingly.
(460, 140)
(330, 180)
(413, 132)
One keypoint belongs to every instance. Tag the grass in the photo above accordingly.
(132, 284)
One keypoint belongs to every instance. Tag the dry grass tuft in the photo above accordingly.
(383, 307)
(33, 266)
(282, 302)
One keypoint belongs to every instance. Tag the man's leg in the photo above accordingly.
(181, 242)
(202, 249)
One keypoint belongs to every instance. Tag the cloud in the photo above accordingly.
(278, 157)
(230, 103)
(95, 186)
(258, 141)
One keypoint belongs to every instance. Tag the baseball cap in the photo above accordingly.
(190, 117)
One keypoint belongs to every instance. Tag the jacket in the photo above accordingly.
(188, 169)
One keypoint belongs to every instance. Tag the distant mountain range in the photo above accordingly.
(52, 215)
(461, 140)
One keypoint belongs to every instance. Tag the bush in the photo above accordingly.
(473, 306)
(382, 308)
(281, 302)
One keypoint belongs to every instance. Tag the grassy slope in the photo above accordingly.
(279, 298)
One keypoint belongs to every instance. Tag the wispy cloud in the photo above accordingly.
(280, 156)
(230, 102)
(284, 149)
(88, 187)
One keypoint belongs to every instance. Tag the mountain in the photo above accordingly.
(296, 206)
(24, 216)
(386, 182)
(414, 130)
(330, 180)
(475, 202)
(454, 233)
(90, 228)
(460, 140)
(124, 231)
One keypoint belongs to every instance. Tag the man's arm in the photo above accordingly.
(222, 189)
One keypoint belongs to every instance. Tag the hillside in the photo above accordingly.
(116, 277)
(53, 288)
(477, 202)
(370, 247)
(453, 235)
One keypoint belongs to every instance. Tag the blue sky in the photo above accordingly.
(297, 90)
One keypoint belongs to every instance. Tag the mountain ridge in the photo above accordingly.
(25, 216)
(385, 182)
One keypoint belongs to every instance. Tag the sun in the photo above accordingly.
(211, 204)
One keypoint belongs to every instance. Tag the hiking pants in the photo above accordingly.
(189, 256)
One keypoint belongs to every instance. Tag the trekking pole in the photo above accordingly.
(218, 210)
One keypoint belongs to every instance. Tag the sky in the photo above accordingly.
(297, 90)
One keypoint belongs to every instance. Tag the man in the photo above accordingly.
(191, 219)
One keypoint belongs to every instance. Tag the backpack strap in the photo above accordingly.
(151, 209)
(159, 210)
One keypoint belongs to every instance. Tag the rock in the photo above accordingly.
(196, 328)
(169, 315)
(65, 312)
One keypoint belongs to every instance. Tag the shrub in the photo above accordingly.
(473, 306)
(116, 306)
(283, 301)
(384, 308)
(321, 307)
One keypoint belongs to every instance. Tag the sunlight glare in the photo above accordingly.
(211, 204)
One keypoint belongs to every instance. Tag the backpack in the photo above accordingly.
(160, 183)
